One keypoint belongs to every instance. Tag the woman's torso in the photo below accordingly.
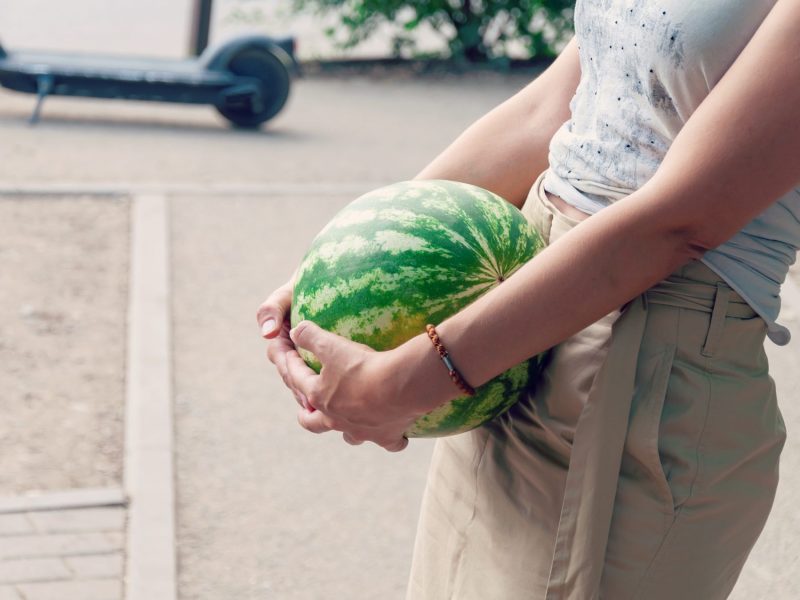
(645, 68)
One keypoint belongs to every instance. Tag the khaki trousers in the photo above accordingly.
(642, 465)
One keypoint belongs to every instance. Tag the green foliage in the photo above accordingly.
(475, 30)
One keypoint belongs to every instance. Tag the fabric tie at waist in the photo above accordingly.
(602, 429)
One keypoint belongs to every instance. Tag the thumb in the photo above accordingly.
(310, 336)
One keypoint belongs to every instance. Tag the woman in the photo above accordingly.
(644, 463)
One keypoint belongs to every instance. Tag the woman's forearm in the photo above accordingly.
(505, 150)
(733, 158)
(590, 271)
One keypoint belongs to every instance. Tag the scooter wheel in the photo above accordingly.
(261, 64)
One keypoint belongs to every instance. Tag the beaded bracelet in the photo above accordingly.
(454, 374)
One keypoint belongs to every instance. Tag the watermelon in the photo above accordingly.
(409, 254)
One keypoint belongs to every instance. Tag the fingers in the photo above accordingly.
(315, 422)
(318, 422)
(315, 414)
(272, 314)
(302, 379)
(397, 445)
(279, 346)
(277, 350)
(351, 439)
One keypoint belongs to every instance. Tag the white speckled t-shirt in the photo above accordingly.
(645, 67)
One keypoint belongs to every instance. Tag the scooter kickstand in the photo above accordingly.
(44, 85)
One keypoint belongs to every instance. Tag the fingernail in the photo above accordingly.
(268, 326)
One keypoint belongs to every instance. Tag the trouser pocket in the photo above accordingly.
(641, 461)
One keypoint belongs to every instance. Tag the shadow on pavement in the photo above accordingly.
(139, 125)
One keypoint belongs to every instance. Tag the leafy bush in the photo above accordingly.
(475, 30)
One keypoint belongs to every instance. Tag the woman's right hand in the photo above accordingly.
(274, 322)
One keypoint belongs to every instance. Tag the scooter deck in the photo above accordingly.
(87, 66)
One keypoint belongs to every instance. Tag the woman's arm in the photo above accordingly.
(735, 156)
(507, 149)
(504, 151)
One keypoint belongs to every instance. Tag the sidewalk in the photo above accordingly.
(63, 546)
(64, 399)
(63, 278)
(247, 519)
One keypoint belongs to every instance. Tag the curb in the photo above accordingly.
(149, 467)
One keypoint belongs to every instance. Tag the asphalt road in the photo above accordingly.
(265, 510)
(332, 131)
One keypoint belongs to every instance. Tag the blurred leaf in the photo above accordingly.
(475, 30)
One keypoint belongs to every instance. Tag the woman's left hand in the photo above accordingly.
(360, 392)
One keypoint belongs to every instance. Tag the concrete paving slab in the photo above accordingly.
(98, 566)
(100, 589)
(15, 525)
(9, 593)
(75, 544)
(85, 564)
(26, 570)
(74, 521)
(62, 499)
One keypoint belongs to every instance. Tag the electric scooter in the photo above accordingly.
(246, 79)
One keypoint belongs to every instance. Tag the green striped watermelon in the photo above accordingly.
(414, 253)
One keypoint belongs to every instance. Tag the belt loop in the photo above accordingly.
(717, 319)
